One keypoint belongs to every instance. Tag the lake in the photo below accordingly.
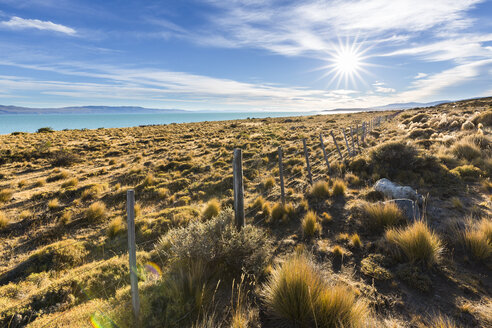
(31, 122)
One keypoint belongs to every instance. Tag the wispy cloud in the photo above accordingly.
(22, 23)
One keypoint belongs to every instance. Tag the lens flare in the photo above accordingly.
(153, 269)
(96, 322)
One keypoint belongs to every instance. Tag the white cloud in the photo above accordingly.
(384, 90)
(22, 23)
(312, 26)
(420, 76)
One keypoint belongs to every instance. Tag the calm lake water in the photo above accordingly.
(31, 122)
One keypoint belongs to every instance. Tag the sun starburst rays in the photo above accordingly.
(346, 63)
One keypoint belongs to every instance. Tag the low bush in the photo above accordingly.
(417, 243)
(394, 156)
(485, 118)
(379, 216)
(467, 172)
(61, 255)
(96, 212)
(310, 225)
(218, 245)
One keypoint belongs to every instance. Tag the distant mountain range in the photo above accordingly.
(86, 110)
(391, 106)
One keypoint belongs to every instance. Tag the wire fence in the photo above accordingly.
(318, 163)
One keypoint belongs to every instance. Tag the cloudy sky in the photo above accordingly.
(243, 54)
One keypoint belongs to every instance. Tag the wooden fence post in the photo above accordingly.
(363, 132)
(357, 136)
(310, 177)
(336, 144)
(281, 173)
(352, 136)
(346, 143)
(130, 211)
(237, 168)
(324, 152)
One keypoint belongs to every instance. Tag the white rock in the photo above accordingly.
(395, 191)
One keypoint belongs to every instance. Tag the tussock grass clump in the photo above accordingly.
(53, 204)
(115, 227)
(6, 195)
(320, 190)
(467, 172)
(477, 238)
(211, 210)
(382, 215)
(394, 156)
(466, 149)
(439, 321)
(339, 188)
(291, 289)
(269, 183)
(485, 118)
(355, 241)
(296, 294)
(96, 212)
(282, 212)
(310, 225)
(70, 183)
(416, 242)
(4, 220)
(60, 255)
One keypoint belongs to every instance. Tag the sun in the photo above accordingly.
(346, 62)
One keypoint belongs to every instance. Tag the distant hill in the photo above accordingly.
(85, 110)
(391, 106)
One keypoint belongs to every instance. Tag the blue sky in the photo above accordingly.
(243, 54)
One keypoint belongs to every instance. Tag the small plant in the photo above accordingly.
(115, 227)
(466, 149)
(40, 183)
(6, 195)
(149, 180)
(4, 220)
(417, 243)
(477, 238)
(211, 210)
(70, 183)
(326, 217)
(382, 215)
(269, 183)
(65, 218)
(96, 212)
(25, 214)
(45, 130)
(258, 203)
(339, 188)
(320, 190)
(456, 202)
(355, 241)
(53, 204)
(310, 225)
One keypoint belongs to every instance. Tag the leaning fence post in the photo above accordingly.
(130, 210)
(352, 136)
(346, 143)
(310, 177)
(336, 144)
(237, 168)
(324, 152)
(357, 136)
(363, 132)
(281, 173)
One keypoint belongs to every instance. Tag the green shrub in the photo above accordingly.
(219, 245)
(416, 242)
(467, 172)
(394, 156)
(211, 210)
(45, 130)
(382, 215)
